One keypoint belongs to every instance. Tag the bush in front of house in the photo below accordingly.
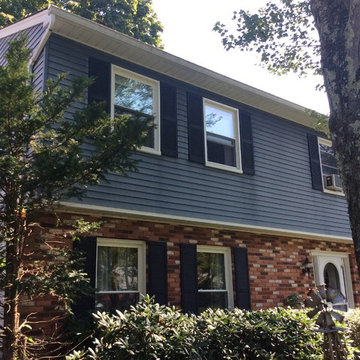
(150, 331)
(352, 326)
(265, 334)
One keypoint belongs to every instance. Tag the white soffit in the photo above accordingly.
(115, 43)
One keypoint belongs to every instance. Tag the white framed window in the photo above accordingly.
(333, 270)
(329, 170)
(214, 277)
(120, 273)
(222, 136)
(135, 94)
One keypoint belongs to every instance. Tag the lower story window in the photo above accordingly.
(333, 271)
(120, 273)
(214, 277)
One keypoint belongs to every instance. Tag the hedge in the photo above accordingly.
(150, 331)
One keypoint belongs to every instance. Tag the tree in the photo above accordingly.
(45, 157)
(132, 17)
(321, 36)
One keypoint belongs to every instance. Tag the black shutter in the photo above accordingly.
(195, 114)
(315, 165)
(168, 122)
(242, 278)
(189, 286)
(85, 305)
(157, 260)
(246, 140)
(100, 90)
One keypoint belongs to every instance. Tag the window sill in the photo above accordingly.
(333, 192)
(223, 167)
(150, 151)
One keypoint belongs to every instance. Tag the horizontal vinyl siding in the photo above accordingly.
(34, 35)
(279, 195)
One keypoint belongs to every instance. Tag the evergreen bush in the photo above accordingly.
(150, 331)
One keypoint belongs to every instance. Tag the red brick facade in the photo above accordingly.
(274, 261)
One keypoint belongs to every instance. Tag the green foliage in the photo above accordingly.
(42, 150)
(151, 331)
(352, 327)
(282, 32)
(46, 156)
(132, 17)
(294, 300)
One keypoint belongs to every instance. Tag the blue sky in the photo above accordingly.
(188, 34)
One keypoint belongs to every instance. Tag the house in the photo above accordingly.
(237, 201)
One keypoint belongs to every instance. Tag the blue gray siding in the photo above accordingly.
(33, 33)
(279, 195)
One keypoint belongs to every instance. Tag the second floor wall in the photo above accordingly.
(278, 195)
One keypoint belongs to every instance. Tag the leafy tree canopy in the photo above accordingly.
(282, 32)
(132, 17)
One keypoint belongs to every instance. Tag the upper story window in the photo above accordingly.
(329, 169)
(222, 136)
(137, 95)
(214, 277)
(120, 273)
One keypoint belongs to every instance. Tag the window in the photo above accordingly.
(137, 95)
(214, 277)
(333, 270)
(222, 142)
(329, 169)
(120, 273)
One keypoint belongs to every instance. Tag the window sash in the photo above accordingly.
(228, 290)
(152, 145)
(229, 147)
(141, 265)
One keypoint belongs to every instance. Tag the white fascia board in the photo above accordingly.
(38, 18)
(96, 210)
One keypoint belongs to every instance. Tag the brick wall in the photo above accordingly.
(274, 261)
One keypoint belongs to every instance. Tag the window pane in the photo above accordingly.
(117, 268)
(107, 302)
(211, 271)
(327, 158)
(219, 121)
(149, 141)
(133, 94)
(221, 150)
(214, 300)
(331, 276)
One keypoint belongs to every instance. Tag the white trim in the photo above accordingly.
(28, 22)
(37, 51)
(152, 216)
(141, 246)
(236, 129)
(321, 257)
(326, 142)
(228, 270)
(155, 84)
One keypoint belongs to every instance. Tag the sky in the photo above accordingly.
(188, 34)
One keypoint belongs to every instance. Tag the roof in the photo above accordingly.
(89, 33)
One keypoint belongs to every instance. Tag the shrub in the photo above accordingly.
(150, 331)
(352, 325)
(146, 331)
(267, 334)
